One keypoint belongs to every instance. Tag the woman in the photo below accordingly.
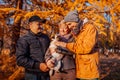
(67, 70)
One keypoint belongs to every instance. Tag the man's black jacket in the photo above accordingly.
(30, 51)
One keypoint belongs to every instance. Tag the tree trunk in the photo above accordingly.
(16, 28)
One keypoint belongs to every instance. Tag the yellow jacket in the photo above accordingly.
(86, 55)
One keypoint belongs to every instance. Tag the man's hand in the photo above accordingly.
(50, 63)
(59, 43)
(43, 67)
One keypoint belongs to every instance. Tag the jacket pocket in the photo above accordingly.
(85, 59)
(84, 65)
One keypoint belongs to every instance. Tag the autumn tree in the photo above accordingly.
(14, 15)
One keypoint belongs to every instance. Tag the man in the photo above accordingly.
(30, 51)
(84, 46)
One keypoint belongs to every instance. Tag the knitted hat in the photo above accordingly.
(72, 16)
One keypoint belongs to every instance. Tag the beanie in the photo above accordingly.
(72, 16)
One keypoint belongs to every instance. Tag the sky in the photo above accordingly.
(1, 2)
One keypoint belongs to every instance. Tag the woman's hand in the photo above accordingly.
(52, 50)
(50, 63)
(43, 67)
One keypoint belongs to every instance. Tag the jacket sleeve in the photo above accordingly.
(48, 55)
(64, 51)
(47, 43)
(87, 43)
(22, 55)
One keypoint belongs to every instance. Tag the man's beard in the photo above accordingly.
(77, 29)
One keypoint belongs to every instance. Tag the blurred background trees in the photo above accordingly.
(14, 15)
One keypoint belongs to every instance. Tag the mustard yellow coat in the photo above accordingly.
(86, 56)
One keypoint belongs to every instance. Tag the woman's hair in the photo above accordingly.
(61, 22)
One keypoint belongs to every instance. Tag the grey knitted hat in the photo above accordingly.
(72, 16)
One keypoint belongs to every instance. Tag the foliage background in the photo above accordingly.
(14, 15)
